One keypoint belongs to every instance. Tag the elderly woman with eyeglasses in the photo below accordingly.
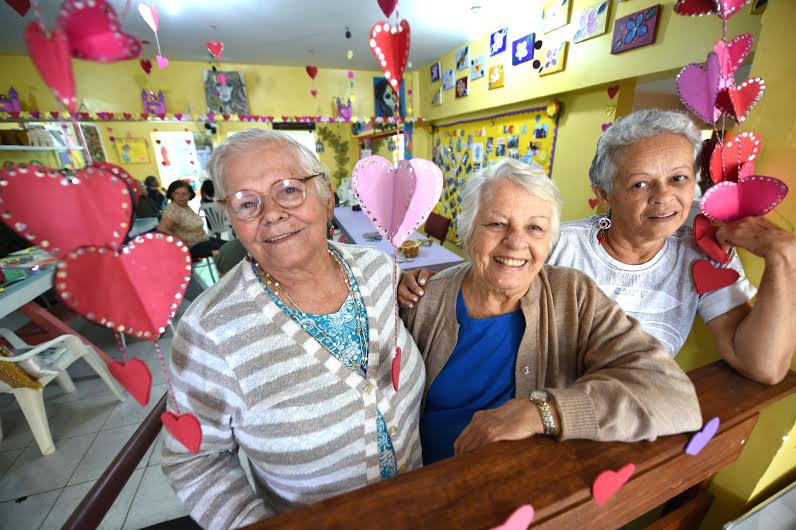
(290, 355)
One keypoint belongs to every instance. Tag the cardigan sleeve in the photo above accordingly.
(211, 484)
(628, 388)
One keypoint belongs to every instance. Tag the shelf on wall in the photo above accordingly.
(371, 135)
(36, 148)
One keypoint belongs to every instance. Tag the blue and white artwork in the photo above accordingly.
(498, 41)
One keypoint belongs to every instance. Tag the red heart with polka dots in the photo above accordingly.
(390, 45)
(93, 207)
(726, 160)
(737, 101)
(95, 33)
(141, 286)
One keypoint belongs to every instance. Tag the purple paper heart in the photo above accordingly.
(606, 126)
(701, 438)
(698, 86)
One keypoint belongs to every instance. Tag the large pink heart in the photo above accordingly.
(136, 291)
(61, 214)
(95, 33)
(50, 54)
(390, 45)
(732, 55)
(397, 200)
(723, 8)
(698, 86)
(752, 196)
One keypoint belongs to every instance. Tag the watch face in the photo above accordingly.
(538, 395)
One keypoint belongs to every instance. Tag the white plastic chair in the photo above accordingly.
(217, 221)
(31, 400)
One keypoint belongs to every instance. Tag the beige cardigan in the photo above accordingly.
(609, 379)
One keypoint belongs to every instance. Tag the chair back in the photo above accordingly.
(437, 226)
(216, 217)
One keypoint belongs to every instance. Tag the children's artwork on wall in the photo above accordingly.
(93, 142)
(132, 150)
(478, 153)
(10, 103)
(436, 72)
(555, 14)
(592, 21)
(522, 49)
(496, 77)
(154, 102)
(225, 92)
(344, 108)
(461, 87)
(204, 148)
(463, 58)
(497, 41)
(385, 100)
(635, 30)
(478, 67)
(448, 79)
(176, 159)
(436, 97)
(554, 58)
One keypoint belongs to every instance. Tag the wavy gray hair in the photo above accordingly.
(253, 138)
(530, 178)
(632, 128)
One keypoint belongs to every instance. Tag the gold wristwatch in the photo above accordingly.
(541, 398)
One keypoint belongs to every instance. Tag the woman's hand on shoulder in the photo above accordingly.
(762, 238)
(516, 419)
(410, 289)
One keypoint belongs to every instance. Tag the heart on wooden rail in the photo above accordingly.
(95, 33)
(608, 483)
(751, 196)
(519, 520)
(135, 377)
(185, 428)
(49, 51)
(390, 45)
(726, 160)
(702, 437)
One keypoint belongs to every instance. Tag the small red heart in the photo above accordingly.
(157, 142)
(133, 376)
(613, 91)
(607, 125)
(593, 203)
(146, 64)
(216, 48)
(737, 101)
(192, 162)
(312, 70)
(188, 142)
(608, 483)
(225, 116)
(705, 237)
(20, 6)
(185, 428)
(396, 368)
(84, 115)
(387, 7)
(179, 116)
(708, 278)
(54, 114)
(726, 160)
(127, 115)
(314, 93)
(144, 115)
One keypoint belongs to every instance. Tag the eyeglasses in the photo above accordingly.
(287, 193)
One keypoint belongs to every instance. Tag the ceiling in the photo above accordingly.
(294, 32)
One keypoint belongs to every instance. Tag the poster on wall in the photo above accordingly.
(635, 30)
(176, 159)
(554, 58)
(496, 77)
(225, 92)
(478, 67)
(385, 100)
(497, 41)
(436, 72)
(592, 21)
(132, 150)
(93, 142)
(555, 14)
(448, 79)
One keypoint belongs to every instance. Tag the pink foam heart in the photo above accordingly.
(732, 54)
(608, 483)
(216, 48)
(753, 196)
(519, 520)
(702, 437)
(49, 51)
(135, 377)
(387, 7)
(397, 200)
(747, 170)
(162, 61)
(148, 279)
(698, 87)
(149, 12)
(593, 203)
(726, 160)
(95, 33)
(396, 368)
(737, 101)
(708, 278)
(390, 45)
(185, 428)
(723, 8)
(94, 207)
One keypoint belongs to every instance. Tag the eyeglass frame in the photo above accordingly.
(261, 196)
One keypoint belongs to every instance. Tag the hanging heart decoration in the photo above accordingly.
(708, 278)
(737, 101)
(185, 428)
(613, 90)
(705, 238)
(20, 6)
(135, 377)
(312, 70)
(149, 12)
(390, 45)
(94, 32)
(726, 160)
(732, 55)
(397, 200)
(163, 62)
(98, 203)
(752, 196)
(216, 48)
(50, 54)
(395, 368)
(723, 8)
(387, 7)
(698, 87)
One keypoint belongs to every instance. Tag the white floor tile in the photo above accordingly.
(85, 387)
(34, 473)
(131, 412)
(154, 502)
(7, 459)
(103, 450)
(72, 495)
(80, 417)
(16, 431)
(157, 447)
(27, 514)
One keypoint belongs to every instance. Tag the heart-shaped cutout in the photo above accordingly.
(608, 483)
(698, 87)
(606, 126)
(397, 200)
(387, 7)
(94, 32)
(519, 520)
(49, 51)
(314, 93)
(312, 70)
(708, 278)
(146, 65)
(737, 101)
(705, 237)
(593, 203)
(747, 170)
(613, 90)
(702, 437)
(396, 368)
(145, 284)
(726, 160)
(149, 12)
(216, 48)
(94, 207)
(21, 6)
(723, 8)
(162, 61)
(732, 55)
(184, 428)
(390, 45)
(752, 196)
(135, 377)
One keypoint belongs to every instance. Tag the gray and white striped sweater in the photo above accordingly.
(256, 380)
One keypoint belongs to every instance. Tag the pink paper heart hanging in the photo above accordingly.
(698, 87)
(94, 208)
(163, 62)
(144, 284)
(312, 70)
(747, 170)
(95, 33)
(216, 48)
(397, 200)
(390, 45)
(708, 278)
(737, 101)
(185, 428)
(149, 12)
(732, 55)
(20, 6)
(726, 160)
(753, 196)
(53, 60)
(135, 377)
(723, 8)
(387, 7)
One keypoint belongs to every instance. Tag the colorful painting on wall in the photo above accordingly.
(448, 79)
(132, 150)
(225, 92)
(463, 58)
(498, 41)
(522, 49)
(436, 97)
(461, 87)
(635, 30)
(554, 58)
(592, 21)
(436, 72)
(478, 67)
(555, 14)
(496, 77)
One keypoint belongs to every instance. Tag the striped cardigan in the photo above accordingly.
(256, 380)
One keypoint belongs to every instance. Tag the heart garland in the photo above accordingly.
(698, 87)
(752, 196)
(50, 53)
(727, 159)
(737, 101)
(390, 45)
(95, 33)
(732, 55)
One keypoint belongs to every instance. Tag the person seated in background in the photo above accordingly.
(230, 254)
(516, 348)
(181, 221)
(207, 191)
(154, 191)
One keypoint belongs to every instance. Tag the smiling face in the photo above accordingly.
(652, 189)
(278, 238)
(511, 238)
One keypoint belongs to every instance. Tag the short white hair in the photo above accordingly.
(534, 180)
(251, 139)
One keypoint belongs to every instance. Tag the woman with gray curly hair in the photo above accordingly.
(291, 356)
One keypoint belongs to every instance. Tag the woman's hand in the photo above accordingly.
(516, 419)
(410, 289)
(762, 238)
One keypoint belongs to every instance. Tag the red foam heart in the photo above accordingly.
(705, 237)
(93, 208)
(708, 278)
(723, 8)
(732, 54)
(396, 368)
(390, 45)
(20, 6)
(608, 483)
(387, 6)
(142, 286)
(185, 428)
(312, 70)
(146, 64)
(613, 91)
(593, 203)
(51, 56)
(118, 171)
(751, 196)
(133, 376)
(726, 160)
(737, 101)
(216, 48)
(95, 33)
(746, 171)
